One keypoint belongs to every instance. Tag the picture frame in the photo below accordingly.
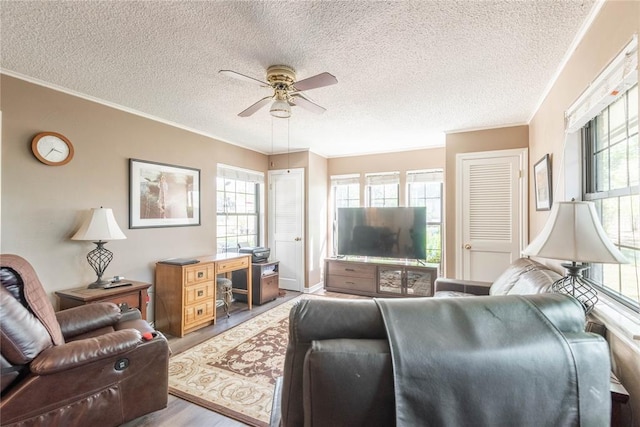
(163, 195)
(542, 183)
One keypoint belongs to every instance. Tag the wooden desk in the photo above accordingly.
(186, 294)
(133, 296)
(229, 262)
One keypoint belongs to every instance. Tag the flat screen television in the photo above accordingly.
(383, 232)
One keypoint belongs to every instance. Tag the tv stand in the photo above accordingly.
(380, 277)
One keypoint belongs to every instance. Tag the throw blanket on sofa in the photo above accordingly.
(491, 362)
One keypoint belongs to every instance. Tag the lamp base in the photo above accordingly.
(99, 284)
(578, 286)
(99, 260)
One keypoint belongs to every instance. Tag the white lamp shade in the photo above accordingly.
(100, 225)
(573, 233)
(280, 109)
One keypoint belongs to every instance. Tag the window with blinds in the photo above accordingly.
(606, 115)
(382, 190)
(238, 196)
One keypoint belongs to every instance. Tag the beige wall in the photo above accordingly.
(42, 205)
(469, 142)
(611, 31)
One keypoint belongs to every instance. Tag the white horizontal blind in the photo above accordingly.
(434, 175)
(240, 174)
(345, 180)
(382, 178)
(620, 75)
(490, 191)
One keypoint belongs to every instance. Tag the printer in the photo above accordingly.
(258, 254)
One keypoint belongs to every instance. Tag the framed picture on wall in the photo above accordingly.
(162, 195)
(542, 181)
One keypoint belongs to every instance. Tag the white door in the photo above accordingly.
(491, 212)
(286, 225)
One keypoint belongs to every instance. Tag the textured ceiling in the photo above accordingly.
(408, 71)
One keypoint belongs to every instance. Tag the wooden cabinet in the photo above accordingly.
(266, 282)
(377, 278)
(352, 277)
(185, 297)
(134, 295)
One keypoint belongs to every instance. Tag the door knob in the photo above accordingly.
(467, 246)
(297, 239)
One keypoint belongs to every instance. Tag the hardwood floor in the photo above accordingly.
(179, 412)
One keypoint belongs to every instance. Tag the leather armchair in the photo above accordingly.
(498, 360)
(89, 365)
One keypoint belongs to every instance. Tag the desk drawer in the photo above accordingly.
(198, 273)
(232, 264)
(198, 293)
(198, 313)
(353, 270)
(132, 300)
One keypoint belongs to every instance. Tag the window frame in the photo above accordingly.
(591, 192)
(246, 177)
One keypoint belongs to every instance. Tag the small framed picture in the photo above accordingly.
(162, 195)
(542, 182)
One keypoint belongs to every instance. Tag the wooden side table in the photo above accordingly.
(134, 296)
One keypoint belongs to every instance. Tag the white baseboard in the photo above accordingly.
(315, 288)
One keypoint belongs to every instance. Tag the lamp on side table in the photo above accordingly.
(99, 227)
(574, 233)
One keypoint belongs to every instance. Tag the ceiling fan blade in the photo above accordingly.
(255, 107)
(321, 80)
(239, 76)
(303, 102)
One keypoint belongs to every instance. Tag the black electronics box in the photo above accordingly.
(258, 254)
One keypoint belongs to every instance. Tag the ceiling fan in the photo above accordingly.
(287, 91)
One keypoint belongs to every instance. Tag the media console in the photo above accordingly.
(379, 277)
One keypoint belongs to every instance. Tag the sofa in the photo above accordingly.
(91, 365)
(507, 360)
(523, 277)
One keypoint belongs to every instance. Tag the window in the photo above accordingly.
(239, 193)
(612, 182)
(425, 188)
(382, 190)
(346, 191)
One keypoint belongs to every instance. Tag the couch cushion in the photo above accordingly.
(534, 282)
(35, 295)
(22, 336)
(506, 281)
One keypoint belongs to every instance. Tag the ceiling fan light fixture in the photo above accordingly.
(280, 109)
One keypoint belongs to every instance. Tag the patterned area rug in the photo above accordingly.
(234, 373)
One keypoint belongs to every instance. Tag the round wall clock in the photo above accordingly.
(52, 148)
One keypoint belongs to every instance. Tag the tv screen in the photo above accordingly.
(383, 232)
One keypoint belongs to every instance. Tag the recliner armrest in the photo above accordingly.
(85, 318)
(467, 286)
(78, 353)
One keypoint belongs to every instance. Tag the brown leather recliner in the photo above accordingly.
(88, 365)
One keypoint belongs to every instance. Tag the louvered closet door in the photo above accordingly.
(491, 212)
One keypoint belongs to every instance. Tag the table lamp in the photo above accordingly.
(573, 232)
(99, 227)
